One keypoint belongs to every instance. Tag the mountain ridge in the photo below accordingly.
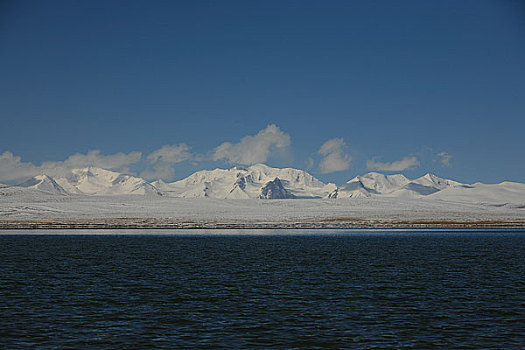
(240, 183)
(264, 182)
(44, 183)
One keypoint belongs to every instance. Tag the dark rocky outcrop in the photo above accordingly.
(275, 190)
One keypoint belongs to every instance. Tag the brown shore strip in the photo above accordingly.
(337, 223)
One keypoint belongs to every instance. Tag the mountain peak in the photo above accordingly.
(44, 183)
(43, 177)
(377, 183)
(436, 181)
(431, 177)
(259, 165)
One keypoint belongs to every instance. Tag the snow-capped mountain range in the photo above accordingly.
(261, 181)
(393, 186)
(92, 181)
(256, 181)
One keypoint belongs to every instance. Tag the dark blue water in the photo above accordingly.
(360, 290)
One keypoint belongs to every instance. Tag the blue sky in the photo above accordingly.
(338, 87)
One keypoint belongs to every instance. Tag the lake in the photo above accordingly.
(263, 289)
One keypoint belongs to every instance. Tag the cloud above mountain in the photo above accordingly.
(162, 160)
(334, 156)
(253, 148)
(270, 144)
(156, 165)
(94, 158)
(444, 158)
(399, 165)
(13, 168)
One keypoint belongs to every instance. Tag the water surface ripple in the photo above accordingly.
(398, 290)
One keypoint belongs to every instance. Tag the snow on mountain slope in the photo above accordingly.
(19, 194)
(370, 184)
(261, 181)
(505, 193)
(351, 189)
(431, 180)
(376, 184)
(298, 182)
(44, 183)
(218, 183)
(432, 187)
(96, 181)
(425, 186)
(239, 183)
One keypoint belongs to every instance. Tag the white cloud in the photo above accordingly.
(159, 163)
(94, 158)
(170, 154)
(334, 157)
(399, 165)
(310, 163)
(445, 159)
(254, 148)
(162, 160)
(161, 170)
(12, 168)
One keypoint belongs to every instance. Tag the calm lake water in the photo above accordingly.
(276, 289)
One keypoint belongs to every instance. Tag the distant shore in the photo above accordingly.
(339, 223)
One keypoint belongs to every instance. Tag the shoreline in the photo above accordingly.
(128, 223)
